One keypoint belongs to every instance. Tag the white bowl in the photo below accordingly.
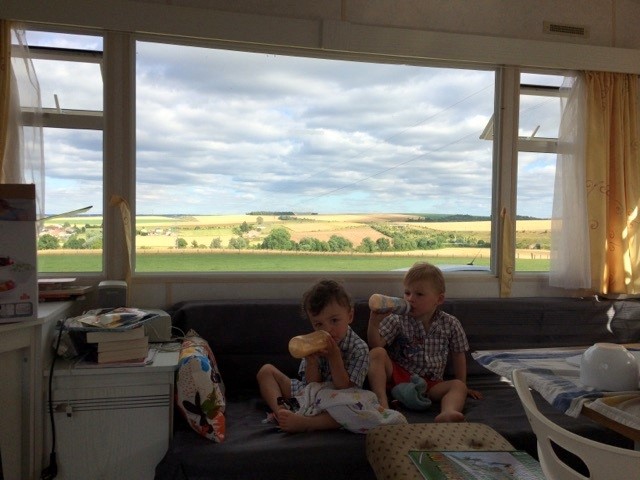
(608, 366)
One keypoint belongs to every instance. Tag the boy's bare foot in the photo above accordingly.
(451, 416)
(292, 422)
(383, 400)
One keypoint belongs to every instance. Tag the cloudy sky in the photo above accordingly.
(223, 132)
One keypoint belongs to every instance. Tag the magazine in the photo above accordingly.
(107, 319)
(476, 465)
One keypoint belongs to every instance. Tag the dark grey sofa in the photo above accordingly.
(246, 334)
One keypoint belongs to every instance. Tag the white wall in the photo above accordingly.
(503, 32)
(495, 32)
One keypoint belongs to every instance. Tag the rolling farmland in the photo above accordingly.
(157, 239)
(161, 232)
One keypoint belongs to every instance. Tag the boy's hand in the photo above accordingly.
(376, 318)
(312, 360)
(339, 375)
(474, 394)
(373, 330)
(332, 352)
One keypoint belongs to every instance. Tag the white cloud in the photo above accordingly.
(231, 132)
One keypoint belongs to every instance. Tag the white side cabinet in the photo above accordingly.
(22, 347)
(111, 423)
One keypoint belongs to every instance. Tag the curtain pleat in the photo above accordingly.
(21, 145)
(506, 255)
(612, 164)
(570, 267)
(125, 214)
(5, 82)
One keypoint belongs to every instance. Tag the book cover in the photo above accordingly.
(18, 262)
(98, 336)
(476, 465)
(84, 362)
(123, 344)
(119, 355)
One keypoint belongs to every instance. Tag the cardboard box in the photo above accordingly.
(18, 254)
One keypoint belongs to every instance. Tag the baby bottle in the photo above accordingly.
(384, 304)
(304, 345)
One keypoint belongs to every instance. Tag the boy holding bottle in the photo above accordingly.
(419, 343)
(344, 361)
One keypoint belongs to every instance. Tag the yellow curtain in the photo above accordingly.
(613, 181)
(5, 81)
(506, 254)
(125, 213)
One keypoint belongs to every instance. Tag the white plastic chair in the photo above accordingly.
(603, 461)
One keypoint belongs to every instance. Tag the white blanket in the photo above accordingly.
(357, 410)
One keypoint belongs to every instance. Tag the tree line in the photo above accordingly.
(394, 239)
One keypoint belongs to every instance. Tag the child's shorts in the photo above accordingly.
(400, 375)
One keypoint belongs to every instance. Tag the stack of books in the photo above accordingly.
(119, 346)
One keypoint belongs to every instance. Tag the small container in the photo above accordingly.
(609, 367)
(384, 304)
(304, 345)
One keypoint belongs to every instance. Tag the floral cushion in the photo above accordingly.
(199, 388)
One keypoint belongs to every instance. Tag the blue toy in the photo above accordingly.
(412, 395)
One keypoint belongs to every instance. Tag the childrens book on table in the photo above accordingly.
(476, 465)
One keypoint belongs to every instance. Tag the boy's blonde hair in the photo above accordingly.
(425, 272)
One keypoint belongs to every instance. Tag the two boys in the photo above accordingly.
(401, 346)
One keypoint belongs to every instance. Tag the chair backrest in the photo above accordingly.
(603, 461)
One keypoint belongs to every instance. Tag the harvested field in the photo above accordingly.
(163, 231)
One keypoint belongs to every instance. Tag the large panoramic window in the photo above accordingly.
(68, 69)
(255, 161)
(249, 161)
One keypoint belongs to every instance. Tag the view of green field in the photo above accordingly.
(288, 242)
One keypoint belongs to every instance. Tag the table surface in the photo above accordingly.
(558, 381)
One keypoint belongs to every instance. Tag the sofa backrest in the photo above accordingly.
(245, 334)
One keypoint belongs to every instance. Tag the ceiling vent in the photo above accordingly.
(564, 29)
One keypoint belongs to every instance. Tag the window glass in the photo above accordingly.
(254, 161)
(68, 84)
(70, 80)
(539, 121)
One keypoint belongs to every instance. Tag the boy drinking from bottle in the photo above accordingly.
(344, 361)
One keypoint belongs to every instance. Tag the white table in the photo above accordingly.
(558, 381)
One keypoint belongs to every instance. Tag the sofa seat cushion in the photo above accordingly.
(257, 450)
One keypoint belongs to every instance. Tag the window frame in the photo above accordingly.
(64, 118)
(118, 125)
